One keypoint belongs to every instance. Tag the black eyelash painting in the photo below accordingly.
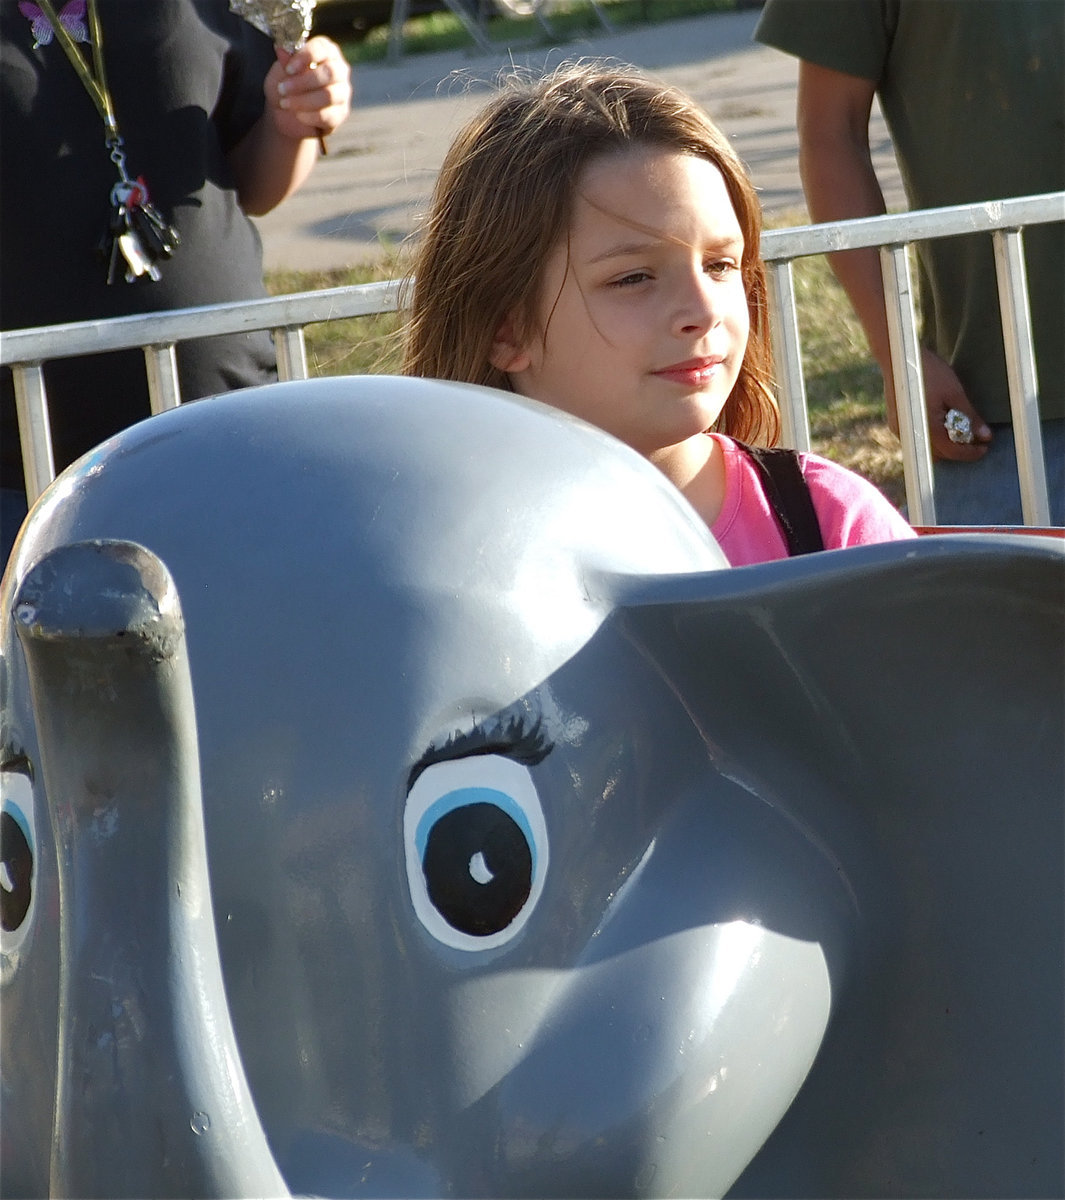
(518, 736)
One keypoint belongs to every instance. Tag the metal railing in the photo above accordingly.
(286, 316)
(1003, 220)
(158, 334)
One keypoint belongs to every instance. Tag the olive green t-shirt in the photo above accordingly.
(973, 92)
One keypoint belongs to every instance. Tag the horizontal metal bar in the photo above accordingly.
(208, 320)
(286, 316)
(359, 300)
(805, 240)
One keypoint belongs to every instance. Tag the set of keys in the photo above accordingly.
(138, 236)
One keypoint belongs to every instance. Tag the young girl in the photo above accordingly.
(593, 243)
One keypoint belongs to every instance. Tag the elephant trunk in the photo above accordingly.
(151, 1095)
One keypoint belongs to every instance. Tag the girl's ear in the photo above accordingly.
(507, 354)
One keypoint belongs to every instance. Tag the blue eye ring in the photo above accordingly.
(461, 797)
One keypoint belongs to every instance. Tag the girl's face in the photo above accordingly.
(642, 323)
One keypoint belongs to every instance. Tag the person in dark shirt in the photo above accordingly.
(974, 96)
(220, 126)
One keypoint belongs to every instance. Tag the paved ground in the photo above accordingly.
(369, 191)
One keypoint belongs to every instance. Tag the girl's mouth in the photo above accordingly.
(695, 372)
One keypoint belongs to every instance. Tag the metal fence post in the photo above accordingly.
(909, 384)
(291, 349)
(1020, 371)
(164, 391)
(787, 355)
(31, 406)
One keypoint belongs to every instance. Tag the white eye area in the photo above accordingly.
(18, 858)
(476, 850)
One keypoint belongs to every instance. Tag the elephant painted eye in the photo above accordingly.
(476, 849)
(18, 848)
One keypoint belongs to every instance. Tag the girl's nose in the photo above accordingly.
(696, 308)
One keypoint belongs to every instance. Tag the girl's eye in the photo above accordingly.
(476, 850)
(631, 279)
(720, 268)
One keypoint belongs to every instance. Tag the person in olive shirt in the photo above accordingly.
(220, 126)
(974, 96)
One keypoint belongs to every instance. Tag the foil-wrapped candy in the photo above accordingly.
(287, 22)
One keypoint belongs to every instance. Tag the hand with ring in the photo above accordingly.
(955, 427)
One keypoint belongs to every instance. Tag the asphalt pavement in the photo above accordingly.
(367, 195)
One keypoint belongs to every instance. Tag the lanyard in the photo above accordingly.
(138, 235)
(94, 81)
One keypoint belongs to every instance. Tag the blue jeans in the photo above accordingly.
(12, 514)
(987, 492)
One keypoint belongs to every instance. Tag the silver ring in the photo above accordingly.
(958, 426)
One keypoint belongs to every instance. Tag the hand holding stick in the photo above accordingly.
(288, 24)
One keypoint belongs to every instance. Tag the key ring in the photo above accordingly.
(128, 193)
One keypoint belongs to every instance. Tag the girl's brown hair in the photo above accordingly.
(503, 201)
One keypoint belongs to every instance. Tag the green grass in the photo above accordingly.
(357, 346)
(567, 19)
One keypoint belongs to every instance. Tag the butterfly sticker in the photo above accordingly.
(71, 17)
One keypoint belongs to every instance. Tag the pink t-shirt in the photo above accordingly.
(850, 511)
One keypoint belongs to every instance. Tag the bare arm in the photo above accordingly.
(308, 94)
(839, 182)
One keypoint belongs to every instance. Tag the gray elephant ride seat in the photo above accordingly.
(402, 797)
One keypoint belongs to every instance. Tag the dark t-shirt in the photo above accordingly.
(974, 96)
(186, 78)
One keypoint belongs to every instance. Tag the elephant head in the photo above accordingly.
(402, 798)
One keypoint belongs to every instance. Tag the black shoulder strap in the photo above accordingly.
(789, 497)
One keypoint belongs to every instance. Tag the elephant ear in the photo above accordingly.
(903, 704)
(933, 661)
